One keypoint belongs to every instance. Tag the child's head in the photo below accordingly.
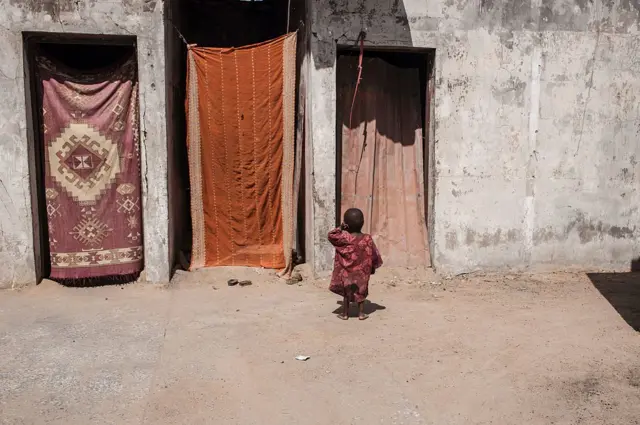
(354, 218)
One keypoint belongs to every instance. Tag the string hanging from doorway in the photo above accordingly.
(361, 37)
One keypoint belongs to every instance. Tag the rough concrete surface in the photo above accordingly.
(535, 349)
(535, 154)
(142, 19)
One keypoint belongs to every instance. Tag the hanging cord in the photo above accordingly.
(184, 40)
(288, 16)
(361, 37)
(355, 93)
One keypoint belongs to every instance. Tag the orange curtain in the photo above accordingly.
(240, 117)
(382, 156)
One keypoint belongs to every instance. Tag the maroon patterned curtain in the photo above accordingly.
(92, 171)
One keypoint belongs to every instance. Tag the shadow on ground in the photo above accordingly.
(94, 282)
(369, 308)
(622, 290)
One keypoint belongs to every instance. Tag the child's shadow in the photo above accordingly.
(369, 308)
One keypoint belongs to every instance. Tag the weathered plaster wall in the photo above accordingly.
(124, 17)
(536, 137)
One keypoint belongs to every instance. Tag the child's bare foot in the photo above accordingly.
(361, 314)
(345, 308)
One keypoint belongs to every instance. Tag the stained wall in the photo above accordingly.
(535, 154)
(143, 19)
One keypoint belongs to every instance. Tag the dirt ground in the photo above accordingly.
(534, 349)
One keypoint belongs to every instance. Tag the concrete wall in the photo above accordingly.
(124, 17)
(536, 127)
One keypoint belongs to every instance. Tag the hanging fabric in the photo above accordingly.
(240, 136)
(382, 155)
(92, 171)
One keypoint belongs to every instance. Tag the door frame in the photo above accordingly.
(33, 106)
(428, 131)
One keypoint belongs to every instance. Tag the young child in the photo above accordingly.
(357, 258)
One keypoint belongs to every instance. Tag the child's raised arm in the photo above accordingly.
(338, 237)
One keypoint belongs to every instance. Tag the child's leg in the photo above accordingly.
(361, 314)
(345, 304)
(345, 307)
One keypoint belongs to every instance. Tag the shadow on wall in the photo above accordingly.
(622, 290)
(339, 22)
(391, 94)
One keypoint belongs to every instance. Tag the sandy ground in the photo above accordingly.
(543, 349)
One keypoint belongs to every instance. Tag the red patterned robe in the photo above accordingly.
(356, 259)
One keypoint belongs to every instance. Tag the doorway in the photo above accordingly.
(383, 143)
(84, 157)
(212, 23)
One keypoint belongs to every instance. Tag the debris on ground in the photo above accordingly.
(444, 345)
(295, 277)
(303, 358)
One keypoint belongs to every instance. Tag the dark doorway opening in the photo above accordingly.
(211, 23)
(384, 143)
(86, 53)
